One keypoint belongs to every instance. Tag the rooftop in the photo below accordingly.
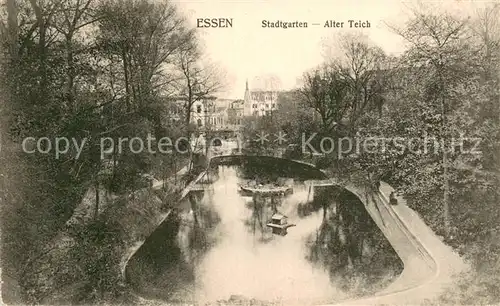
(278, 216)
(220, 109)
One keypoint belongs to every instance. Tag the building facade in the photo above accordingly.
(235, 114)
(259, 102)
(202, 112)
(214, 114)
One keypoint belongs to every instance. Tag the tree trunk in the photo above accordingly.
(175, 170)
(96, 207)
(255, 214)
(446, 183)
(13, 28)
(194, 208)
(42, 71)
(71, 72)
(127, 85)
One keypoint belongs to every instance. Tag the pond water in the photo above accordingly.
(217, 247)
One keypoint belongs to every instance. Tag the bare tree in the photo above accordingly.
(11, 30)
(197, 80)
(486, 26)
(143, 38)
(360, 65)
(351, 81)
(348, 85)
(74, 15)
(326, 91)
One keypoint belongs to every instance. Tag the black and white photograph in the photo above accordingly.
(250, 152)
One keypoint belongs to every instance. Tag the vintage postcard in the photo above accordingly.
(266, 152)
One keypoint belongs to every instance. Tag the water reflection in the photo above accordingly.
(218, 245)
(349, 245)
(243, 265)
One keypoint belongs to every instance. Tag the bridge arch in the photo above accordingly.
(283, 166)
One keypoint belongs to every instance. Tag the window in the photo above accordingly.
(274, 105)
(267, 105)
(199, 122)
(198, 109)
(254, 105)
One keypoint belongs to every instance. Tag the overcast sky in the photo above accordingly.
(247, 50)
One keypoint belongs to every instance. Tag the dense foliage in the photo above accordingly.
(91, 72)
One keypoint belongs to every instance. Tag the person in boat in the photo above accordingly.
(392, 199)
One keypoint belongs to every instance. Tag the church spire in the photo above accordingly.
(247, 101)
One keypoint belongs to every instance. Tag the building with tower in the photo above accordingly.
(260, 102)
